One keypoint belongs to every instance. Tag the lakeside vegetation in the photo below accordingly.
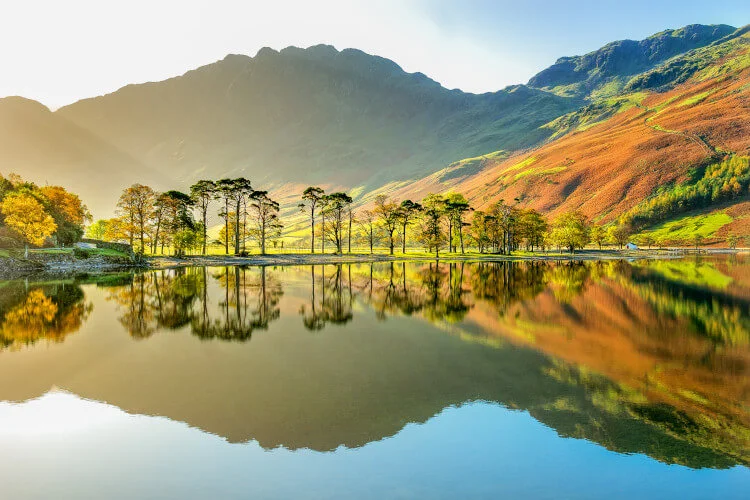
(32, 215)
(177, 223)
(438, 223)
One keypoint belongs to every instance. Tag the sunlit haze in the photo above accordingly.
(59, 52)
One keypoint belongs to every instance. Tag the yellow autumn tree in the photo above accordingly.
(25, 215)
(68, 204)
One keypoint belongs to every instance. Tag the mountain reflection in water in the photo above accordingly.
(648, 357)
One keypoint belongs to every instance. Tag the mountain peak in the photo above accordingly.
(18, 103)
(615, 62)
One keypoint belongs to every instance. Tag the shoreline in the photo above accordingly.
(18, 268)
(167, 262)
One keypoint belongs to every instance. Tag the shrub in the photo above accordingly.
(81, 253)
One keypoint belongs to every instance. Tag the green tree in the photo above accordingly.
(387, 212)
(571, 230)
(620, 234)
(647, 240)
(478, 230)
(97, 230)
(223, 193)
(598, 235)
(406, 213)
(202, 192)
(433, 211)
(265, 212)
(136, 209)
(455, 208)
(366, 220)
(239, 190)
(311, 199)
(732, 241)
(697, 240)
(532, 226)
(336, 209)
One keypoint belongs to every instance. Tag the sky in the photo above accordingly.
(58, 52)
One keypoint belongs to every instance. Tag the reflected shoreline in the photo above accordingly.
(648, 357)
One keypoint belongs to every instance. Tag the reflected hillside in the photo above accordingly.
(624, 355)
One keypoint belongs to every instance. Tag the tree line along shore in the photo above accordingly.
(176, 224)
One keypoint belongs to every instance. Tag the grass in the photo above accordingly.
(521, 164)
(469, 166)
(688, 272)
(105, 252)
(684, 229)
(696, 99)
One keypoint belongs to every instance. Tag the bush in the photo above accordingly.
(81, 253)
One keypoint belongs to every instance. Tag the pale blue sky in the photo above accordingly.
(58, 52)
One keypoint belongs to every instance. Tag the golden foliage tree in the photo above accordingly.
(136, 208)
(68, 204)
(25, 215)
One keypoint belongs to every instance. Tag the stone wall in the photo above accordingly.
(120, 247)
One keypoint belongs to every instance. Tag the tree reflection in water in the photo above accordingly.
(331, 297)
(172, 299)
(34, 312)
(650, 356)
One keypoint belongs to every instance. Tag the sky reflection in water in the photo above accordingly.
(386, 380)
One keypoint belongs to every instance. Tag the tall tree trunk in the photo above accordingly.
(156, 236)
(237, 227)
(244, 229)
(340, 239)
(323, 235)
(461, 234)
(450, 235)
(226, 226)
(263, 237)
(403, 240)
(205, 229)
(312, 228)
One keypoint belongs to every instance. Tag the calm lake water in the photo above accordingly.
(403, 380)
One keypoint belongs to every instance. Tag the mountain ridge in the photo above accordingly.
(320, 115)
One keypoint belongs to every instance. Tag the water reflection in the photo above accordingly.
(648, 357)
(331, 297)
(248, 300)
(31, 313)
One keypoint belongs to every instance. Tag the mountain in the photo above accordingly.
(681, 125)
(347, 119)
(45, 147)
(605, 71)
(312, 115)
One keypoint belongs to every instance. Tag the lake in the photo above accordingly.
(391, 380)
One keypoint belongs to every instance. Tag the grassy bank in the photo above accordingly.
(317, 258)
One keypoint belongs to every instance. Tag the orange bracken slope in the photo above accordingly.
(607, 168)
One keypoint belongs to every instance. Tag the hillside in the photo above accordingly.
(611, 156)
(311, 116)
(45, 147)
(606, 71)
(350, 120)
